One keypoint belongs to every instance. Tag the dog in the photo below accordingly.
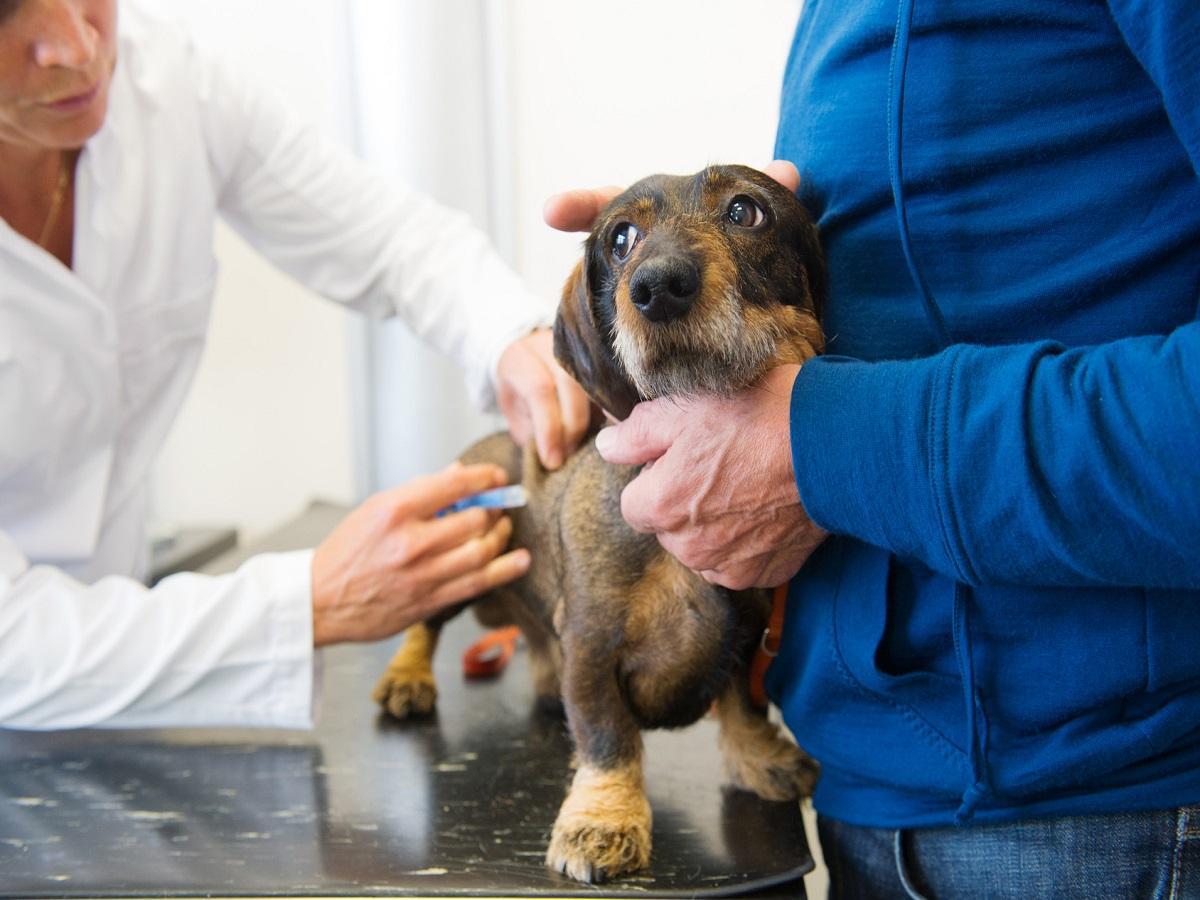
(688, 285)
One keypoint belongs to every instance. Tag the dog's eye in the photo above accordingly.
(745, 213)
(624, 237)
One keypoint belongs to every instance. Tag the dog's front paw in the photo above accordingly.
(406, 692)
(603, 827)
(772, 767)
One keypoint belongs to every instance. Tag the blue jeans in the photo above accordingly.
(1122, 856)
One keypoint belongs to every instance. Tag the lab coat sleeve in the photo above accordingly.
(357, 237)
(194, 651)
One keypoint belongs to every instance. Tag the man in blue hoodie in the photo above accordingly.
(995, 654)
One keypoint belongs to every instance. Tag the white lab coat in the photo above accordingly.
(95, 362)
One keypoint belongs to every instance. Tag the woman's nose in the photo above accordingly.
(65, 37)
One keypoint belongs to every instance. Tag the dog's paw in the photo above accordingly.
(406, 693)
(775, 769)
(597, 852)
(603, 828)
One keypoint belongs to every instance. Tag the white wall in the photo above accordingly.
(608, 93)
(422, 70)
(494, 106)
(269, 422)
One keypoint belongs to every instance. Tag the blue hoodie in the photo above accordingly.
(1005, 435)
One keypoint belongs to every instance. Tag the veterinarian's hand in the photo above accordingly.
(577, 210)
(540, 400)
(718, 488)
(391, 562)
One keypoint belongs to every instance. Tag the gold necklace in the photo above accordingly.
(60, 191)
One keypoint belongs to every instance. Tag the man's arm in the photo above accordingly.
(1015, 465)
(1020, 465)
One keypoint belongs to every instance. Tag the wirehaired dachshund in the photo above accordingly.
(688, 285)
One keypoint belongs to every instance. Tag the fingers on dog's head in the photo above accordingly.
(583, 344)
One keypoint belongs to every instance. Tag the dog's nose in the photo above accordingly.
(664, 288)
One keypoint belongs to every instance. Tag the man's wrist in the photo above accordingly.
(860, 445)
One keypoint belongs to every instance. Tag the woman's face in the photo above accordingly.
(56, 64)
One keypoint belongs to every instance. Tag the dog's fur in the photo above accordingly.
(627, 636)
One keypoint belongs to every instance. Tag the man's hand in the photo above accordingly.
(577, 210)
(718, 488)
(540, 400)
(391, 562)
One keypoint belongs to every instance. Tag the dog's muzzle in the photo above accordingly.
(664, 287)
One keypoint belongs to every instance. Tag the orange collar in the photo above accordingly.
(768, 647)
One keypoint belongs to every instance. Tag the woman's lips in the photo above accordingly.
(75, 102)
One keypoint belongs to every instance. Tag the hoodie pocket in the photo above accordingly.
(893, 627)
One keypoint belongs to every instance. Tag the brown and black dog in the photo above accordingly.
(689, 285)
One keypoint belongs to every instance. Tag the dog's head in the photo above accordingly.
(691, 284)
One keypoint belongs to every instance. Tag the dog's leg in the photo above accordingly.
(758, 756)
(507, 607)
(407, 687)
(545, 664)
(603, 826)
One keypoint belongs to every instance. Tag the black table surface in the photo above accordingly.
(459, 804)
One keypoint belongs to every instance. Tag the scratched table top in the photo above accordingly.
(459, 804)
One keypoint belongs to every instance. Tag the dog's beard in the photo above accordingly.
(713, 350)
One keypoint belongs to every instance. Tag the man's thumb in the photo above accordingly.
(643, 437)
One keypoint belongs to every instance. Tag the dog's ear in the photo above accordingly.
(586, 352)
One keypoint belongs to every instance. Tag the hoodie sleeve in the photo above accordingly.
(1026, 464)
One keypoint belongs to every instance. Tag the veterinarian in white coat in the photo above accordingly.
(119, 147)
